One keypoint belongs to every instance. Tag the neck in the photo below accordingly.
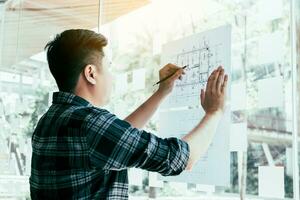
(86, 95)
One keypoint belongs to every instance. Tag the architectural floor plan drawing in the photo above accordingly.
(182, 110)
(201, 54)
(198, 61)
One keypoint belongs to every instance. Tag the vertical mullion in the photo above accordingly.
(294, 52)
(100, 14)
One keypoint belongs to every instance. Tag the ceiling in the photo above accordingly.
(29, 25)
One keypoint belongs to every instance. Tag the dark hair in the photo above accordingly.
(69, 52)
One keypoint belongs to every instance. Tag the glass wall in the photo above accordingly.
(261, 97)
(295, 7)
(25, 81)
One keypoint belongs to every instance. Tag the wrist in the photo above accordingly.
(217, 113)
(161, 93)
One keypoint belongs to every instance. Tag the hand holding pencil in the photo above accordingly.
(167, 77)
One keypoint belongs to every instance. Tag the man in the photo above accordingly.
(82, 151)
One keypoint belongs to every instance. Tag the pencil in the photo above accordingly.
(168, 76)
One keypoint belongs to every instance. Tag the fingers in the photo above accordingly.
(177, 74)
(172, 68)
(224, 85)
(215, 79)
(210, 81)
(202, 96)
(216, 83)
(168, 69)
(179, 71)
(183, 72)
(220, 81)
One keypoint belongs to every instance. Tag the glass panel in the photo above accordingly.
(261, 79)
(25, 80)
(296, 50)
(137, 29)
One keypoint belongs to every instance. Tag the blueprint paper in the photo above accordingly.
(181, 111)
(213, 168)
(201, 53)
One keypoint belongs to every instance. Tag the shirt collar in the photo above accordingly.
(69, 98)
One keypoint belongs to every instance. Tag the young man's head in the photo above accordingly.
(77, 63)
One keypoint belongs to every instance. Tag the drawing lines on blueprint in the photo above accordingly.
(201, 59)
(199, 62)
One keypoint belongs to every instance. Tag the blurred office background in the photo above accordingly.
(264, 59)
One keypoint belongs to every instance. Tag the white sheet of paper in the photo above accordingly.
(265, 14)
(138, 79)
(271, 181)
(153, 180)
(270, 92)
(270, 47)
(27, 80)
(121, 85)
(9, 77)
(202, 53)
(213, 168)
(205, 188)
(238, 96)
(178, 186)
(135, 176)
(238, 137)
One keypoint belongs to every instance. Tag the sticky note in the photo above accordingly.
(270, 92)
(238, 97)
(153, 180)
(238, 137)
(135, 176)
(270, 48)
(271, 181)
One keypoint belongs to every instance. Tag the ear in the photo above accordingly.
(89, 73)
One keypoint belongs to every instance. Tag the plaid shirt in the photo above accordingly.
(83, 152)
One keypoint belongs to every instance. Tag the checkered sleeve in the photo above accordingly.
(116, 145)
